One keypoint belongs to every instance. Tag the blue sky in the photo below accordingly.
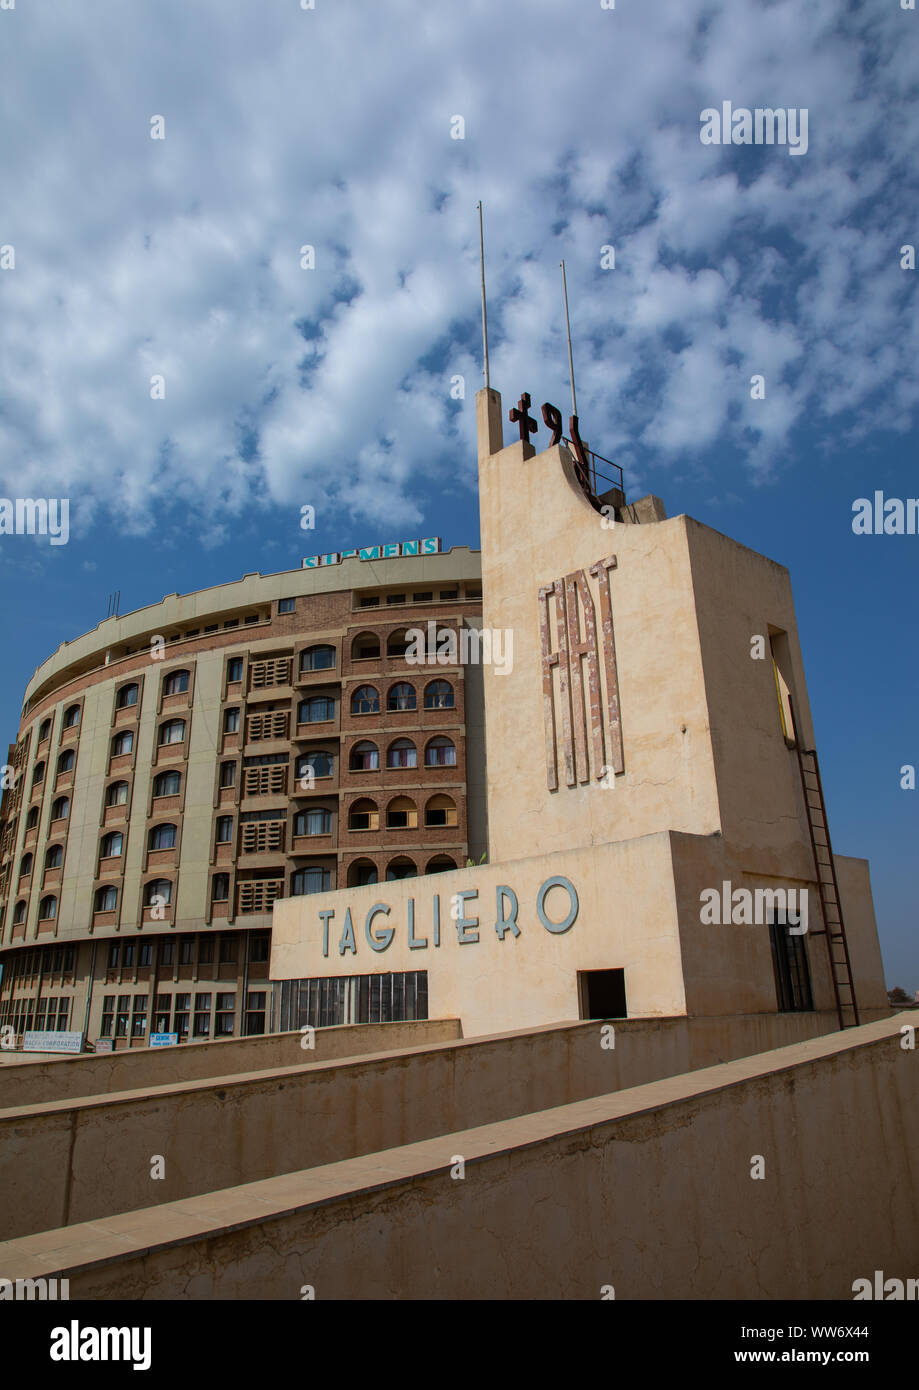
(330, 386)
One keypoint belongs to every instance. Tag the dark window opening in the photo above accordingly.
(789, 961)
(602, 993)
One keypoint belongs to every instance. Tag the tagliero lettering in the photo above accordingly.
(457, 914)
(762, 126)
(890, 517)
(36, 516)
(393, 551)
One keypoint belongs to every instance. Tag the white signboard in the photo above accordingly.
(163, 1039)
(104, 1045)
(35, 1041)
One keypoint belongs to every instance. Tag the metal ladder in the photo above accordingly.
(833, 926)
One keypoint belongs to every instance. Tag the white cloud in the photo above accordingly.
(331, 127)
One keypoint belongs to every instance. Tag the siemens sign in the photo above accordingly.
(393, 551)
(459, 915)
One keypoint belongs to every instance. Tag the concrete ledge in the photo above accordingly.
(79, 1159)
(31, 1079)
(556, 1203)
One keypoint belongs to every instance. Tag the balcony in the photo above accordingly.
(273, 725)
(265, 781)
(257, 895)
(264, 674)
(262, 836)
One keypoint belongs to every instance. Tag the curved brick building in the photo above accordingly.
(181, 767)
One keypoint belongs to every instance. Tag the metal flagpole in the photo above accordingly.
(574, 399)
(484, 312)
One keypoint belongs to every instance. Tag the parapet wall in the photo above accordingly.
(81, 1159)
(650, 1193)
(32, 1080)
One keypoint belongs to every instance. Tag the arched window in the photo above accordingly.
(160, 888)
(317, 659)
(402, 753)
(25, 865)
(173, 731)
(45, 730)
(122, 743)
(54, 857)
(231, 721)
(106, 899)
(71, 716)
(315, 822)
(38, 773)
(312, 880)
(440, 810)
(220, 888)
(224, 832)
(364, 815)
(440, 752)
(19, 913)
(365, 757)
(365, 646)
(400, 868)
(167, 784)
(126, 696)
(228, 774)
(176, 683)
(439, 695)
(365, 700)
(32, 818)
(117, 794)
(440, 864)
(401, 814)
(397, 642)
(402, 696)
(163, 837)
(66, 761)
(319, 762)
(47, 908)
(315, 710)
(112, 845)
(362, 871)
(61, 808)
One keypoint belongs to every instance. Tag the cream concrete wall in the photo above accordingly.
(82, 845)
(648, 1191)
(66, 1161)
(537, 526)
(854, 881)
(740, 594)
(30, 1080)
(728, 966)
(626, 918)
(197, 850)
